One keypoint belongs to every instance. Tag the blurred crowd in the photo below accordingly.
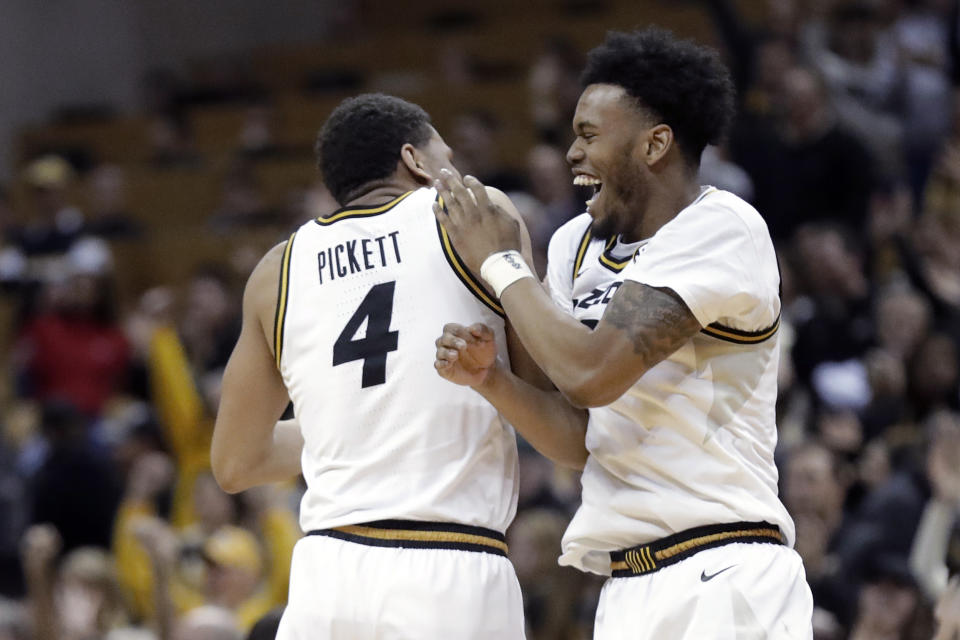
(847, 142)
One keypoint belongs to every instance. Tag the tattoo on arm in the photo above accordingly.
(657, 321)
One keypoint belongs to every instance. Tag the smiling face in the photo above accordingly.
(606, 154)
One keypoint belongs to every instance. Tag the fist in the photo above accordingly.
(465, 355)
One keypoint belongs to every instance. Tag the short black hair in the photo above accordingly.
(361, 140)
(681, 82)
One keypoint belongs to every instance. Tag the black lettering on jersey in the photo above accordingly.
(383, 254)
(610, 291)
(343, 259)
(592, 298)
(321, 263)
(367, 252)
(396, 245)
(352, 256)
(598, 296)
(341, 270)
(377, 310)
(590, 322)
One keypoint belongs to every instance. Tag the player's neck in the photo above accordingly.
(666, 200)
(379, 193)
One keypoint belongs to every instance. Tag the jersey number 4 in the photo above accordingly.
(377, 310)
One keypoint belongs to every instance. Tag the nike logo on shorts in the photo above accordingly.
(707, 578)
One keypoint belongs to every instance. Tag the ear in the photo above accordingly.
(412, 159)
(659, 141)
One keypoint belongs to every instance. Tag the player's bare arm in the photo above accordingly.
(641, 327)
(251, 446)
(467, 355)
(521, 363)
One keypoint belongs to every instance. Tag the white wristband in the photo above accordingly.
(503, 268)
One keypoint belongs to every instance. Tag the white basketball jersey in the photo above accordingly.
(691, 443)
(364, 294)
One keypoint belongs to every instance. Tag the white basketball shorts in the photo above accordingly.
(739, 591)
(349, 588)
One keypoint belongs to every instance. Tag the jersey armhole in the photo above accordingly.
(283, 293)
(472, 283)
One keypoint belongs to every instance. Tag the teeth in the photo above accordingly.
(590, 202)
(582, 180)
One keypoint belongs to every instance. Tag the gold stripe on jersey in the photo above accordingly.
(362, 212)
(283, 292)
(737, 336)
(581, 252)
(473, 284)
(607, 259)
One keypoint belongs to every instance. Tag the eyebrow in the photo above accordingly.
(583, 124)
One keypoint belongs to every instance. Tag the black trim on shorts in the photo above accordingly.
(645, 559)
(415, 534)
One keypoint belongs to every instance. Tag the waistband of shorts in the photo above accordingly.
(415, 534)
(648, 558)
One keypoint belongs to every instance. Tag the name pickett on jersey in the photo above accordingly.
(355, 256)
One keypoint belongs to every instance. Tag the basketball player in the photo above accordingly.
(661, 317)
(411, 481)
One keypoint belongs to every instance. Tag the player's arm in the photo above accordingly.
(250, 445)
(555, 428)
(641, 327)
(521, 363)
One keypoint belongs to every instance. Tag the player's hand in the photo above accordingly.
(476, 226)
(465, 355)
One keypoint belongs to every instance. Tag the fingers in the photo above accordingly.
(478, 190)
(481, 332)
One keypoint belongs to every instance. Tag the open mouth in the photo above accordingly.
(585, 180)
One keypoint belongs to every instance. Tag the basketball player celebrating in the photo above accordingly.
(663, 321)
(410, 482)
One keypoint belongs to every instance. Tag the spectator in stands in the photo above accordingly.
(207, 623)
(14, 622)
(476, 152)
(833, 316)
(209, 326)
(242, 204)
(550, 592)
(54, 223)
(234, 575)
(78, 601)
(804, 167)
(76, 488)
(258, 133)
(864, 75)
(108, 215)
(935, 554)
(554, 88)
(548, 176)
(73, 348)
(890, 605)
(815, 485)
(920, 35)
(171, 142)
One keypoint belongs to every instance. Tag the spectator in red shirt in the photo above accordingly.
(73, 348)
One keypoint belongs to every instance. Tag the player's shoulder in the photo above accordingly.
(260, 294)
(725, 207)
(570, 233)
